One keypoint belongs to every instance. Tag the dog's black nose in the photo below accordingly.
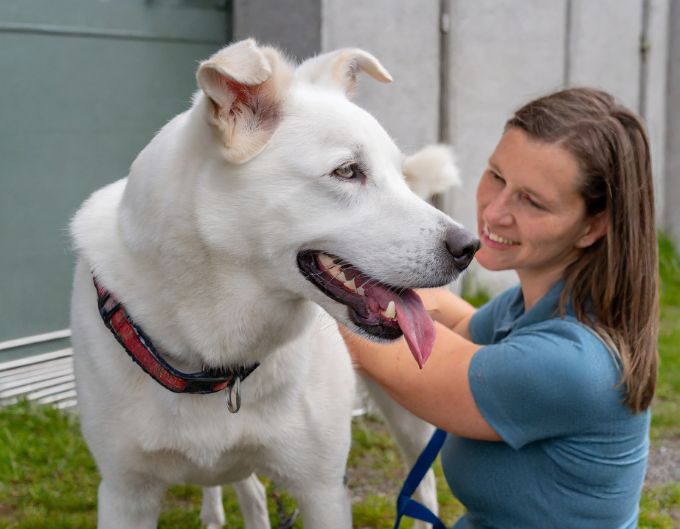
(462, 245)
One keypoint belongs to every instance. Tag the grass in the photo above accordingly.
(660, 506)
(666, 418)
(49, 480)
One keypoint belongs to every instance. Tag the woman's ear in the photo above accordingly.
(596, 228)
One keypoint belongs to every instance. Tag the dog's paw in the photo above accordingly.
(431, 170)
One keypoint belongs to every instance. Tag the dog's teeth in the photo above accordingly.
(341, 277)
(351, 285)
(390, 311)
(360, 291)
(326, 261)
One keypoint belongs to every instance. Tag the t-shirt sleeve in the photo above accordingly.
(541, 382)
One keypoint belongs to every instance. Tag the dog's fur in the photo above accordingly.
(200, 244)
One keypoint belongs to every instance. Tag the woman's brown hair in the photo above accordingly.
(613, 285)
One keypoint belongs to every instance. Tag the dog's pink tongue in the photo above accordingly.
(414, 321)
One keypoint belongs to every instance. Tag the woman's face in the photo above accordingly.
(530, 215)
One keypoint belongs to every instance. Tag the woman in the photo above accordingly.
(545, 390)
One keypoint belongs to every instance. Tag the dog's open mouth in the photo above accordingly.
(380, 310)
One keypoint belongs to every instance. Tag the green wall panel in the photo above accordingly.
(83, 87)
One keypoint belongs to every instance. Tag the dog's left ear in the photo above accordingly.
(245, 84)
(339, 69)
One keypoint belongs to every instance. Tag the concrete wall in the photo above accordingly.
(500, 58)
(500, 53)
(404, 36)
(672, 191)
(654, 104)
(604, 44)
(292, 25)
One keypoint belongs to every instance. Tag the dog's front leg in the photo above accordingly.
(252, 497)
(212, 510)
(325, 507)
(124, 505)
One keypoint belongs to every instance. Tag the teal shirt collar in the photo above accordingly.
(545, 308)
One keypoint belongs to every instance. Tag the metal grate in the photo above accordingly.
(45, 378)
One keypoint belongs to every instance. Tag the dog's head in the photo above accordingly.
(307, 190)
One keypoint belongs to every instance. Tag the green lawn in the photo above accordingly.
(48, 479)
(661, 506)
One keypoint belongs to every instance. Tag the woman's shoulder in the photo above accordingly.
(568, 330)
(568, 346)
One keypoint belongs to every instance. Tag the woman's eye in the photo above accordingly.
(497, 177)
(532, 203)
(347, 171)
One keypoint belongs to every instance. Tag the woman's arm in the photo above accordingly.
(448, 309)
(439, 393)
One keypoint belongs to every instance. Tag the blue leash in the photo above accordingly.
(407, 506)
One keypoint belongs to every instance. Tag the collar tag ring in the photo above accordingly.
(233, 392)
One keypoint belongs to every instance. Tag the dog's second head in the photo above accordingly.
(287, 179)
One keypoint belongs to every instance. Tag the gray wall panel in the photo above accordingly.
(76, 109)
(291, 25)
(404, 36)
(672, 189)
(655, 105)
(501, 58)
(605, 46)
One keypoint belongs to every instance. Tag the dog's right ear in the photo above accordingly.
(339, 69)
(245, 85)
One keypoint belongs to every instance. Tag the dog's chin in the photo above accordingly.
(376, 333)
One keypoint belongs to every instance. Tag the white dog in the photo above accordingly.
(271, 197)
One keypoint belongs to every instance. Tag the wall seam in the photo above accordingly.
(568, 13)
(644, 65)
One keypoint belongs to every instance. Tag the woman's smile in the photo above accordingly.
(494, 240)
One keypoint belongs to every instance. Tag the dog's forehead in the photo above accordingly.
(328, 117)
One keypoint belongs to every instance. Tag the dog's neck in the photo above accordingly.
(202, 315)
(200, 308)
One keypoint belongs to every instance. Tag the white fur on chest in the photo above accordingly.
(306, 361)
(278, 396)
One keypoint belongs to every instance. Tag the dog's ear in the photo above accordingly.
(339, 69)
(245, 85)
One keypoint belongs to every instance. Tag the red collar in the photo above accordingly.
(141, 349)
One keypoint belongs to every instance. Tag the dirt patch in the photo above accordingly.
(664, 463)
(375, 470)
(6, 512)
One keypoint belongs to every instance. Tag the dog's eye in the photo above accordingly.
(348, 171)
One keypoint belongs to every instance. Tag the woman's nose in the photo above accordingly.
(497, 211)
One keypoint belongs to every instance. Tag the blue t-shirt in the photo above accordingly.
(572, 456)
